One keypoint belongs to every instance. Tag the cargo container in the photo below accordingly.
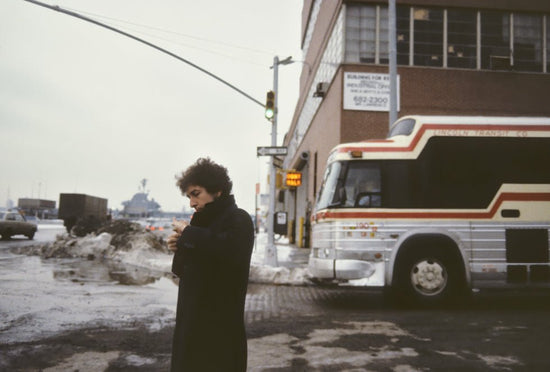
(73, 207)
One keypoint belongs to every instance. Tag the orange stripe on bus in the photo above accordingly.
(507, 196)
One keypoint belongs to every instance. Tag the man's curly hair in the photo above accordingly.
(205, 173)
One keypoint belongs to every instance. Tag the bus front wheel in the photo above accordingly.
(428, 277)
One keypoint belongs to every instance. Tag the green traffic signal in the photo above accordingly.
(270, 105)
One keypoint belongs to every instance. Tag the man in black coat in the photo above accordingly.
(212, 260)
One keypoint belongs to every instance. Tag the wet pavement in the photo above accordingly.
(93, 315)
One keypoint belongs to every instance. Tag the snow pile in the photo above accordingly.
(140, 254)
(292, 264)
(129, 243)
(65, 246)
(278, 275)
(121, 241)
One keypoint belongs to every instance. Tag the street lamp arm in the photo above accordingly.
(73, 14)
(288, 60)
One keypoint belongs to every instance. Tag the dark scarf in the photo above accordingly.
(212, 210)
(204, 218)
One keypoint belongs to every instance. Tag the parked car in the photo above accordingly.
(13, 223)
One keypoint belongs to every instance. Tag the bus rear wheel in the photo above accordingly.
(428, 277)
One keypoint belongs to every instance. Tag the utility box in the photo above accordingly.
(280, 223)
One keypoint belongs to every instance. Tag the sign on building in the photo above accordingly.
(368, 91)
(293, 179)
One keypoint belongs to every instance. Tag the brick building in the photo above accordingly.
(461, 57)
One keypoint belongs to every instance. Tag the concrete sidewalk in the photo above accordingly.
(288, 255)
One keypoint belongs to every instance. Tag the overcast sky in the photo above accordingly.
(86, 110)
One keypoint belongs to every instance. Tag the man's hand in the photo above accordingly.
(172, 240)
(179, 225)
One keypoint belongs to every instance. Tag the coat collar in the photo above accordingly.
(213, 210)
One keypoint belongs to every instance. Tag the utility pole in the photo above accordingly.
(270, 257)
(393, 61)
(271, 113)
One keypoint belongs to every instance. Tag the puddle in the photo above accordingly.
(93, 271)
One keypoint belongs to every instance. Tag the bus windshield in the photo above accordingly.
(328, 188)
(352, 184)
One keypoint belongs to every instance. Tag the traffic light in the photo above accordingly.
(279, 179)
(270, 105)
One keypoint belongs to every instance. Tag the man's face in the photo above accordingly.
(199, 197)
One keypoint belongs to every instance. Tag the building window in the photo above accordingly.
(428, 37)
(403, 32)
(332, 58)
(495, 41)
(310, 26)
(461, 38)
(361, 34)
(454, 37)
(527, 42)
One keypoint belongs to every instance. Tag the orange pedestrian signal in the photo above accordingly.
(293, 179)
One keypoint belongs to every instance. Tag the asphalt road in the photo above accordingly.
(308, 328)
(337, 329)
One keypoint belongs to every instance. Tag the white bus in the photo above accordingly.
(443, 205)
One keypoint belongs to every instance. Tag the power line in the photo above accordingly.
(79, 16)
(270, 53)
(195, 47)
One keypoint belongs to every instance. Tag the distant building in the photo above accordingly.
(140, 205)
(454, 57)
(41, 208)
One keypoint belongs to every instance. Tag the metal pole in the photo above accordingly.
(393, 61)
(271, 249)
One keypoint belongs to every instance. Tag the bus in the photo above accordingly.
(444, 204)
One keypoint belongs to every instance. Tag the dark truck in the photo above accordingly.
(75, 207)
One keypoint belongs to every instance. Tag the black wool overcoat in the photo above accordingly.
(213, 263)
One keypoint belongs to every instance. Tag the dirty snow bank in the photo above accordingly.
(292, 268)
(278, 275)
(131, 244)
(120, 241)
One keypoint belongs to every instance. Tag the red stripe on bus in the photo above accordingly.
(424, 128)
(507, 196)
